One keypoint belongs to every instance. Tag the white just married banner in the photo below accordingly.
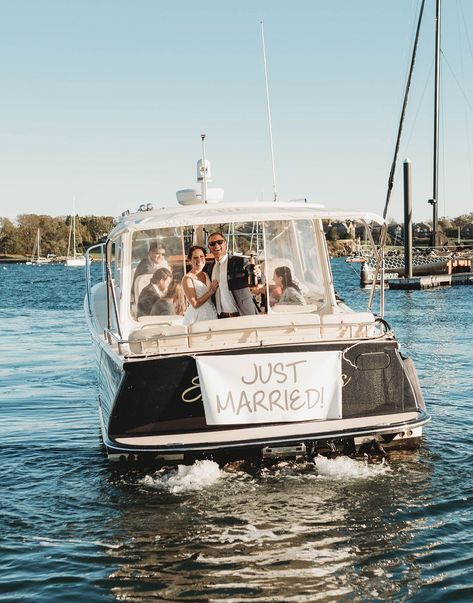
(271, 388)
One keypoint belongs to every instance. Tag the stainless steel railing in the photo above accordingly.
(88, 276)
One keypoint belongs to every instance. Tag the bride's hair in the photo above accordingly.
(176, 294)
(193, 248)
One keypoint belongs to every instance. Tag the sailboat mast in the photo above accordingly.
(69, 239)
(74, 235)
(434, 200)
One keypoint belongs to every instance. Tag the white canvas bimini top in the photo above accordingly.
(169, 217)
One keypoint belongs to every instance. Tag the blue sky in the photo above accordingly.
(104, 101)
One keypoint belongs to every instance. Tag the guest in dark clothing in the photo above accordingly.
(233, 296)
(153, 292)
(155, 258)
(173, 302)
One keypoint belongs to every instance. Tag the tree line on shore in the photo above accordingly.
(17, 239)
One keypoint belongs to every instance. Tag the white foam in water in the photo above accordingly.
(52, 542)
(343, 467)
(186, 478)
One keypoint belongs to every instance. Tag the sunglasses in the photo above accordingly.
(219, 242)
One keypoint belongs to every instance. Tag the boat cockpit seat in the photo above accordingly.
(160, 319)
(349, 325)
(294, 309)
(140, 283)
(258, 329)
(164, 338)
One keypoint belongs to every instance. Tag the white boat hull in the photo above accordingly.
(76, 262)
(151, 408)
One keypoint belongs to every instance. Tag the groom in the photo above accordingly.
(233, 297)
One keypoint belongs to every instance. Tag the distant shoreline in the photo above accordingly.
(10, 260)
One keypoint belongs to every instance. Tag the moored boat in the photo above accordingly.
(73, 259)
(294, 378)
(36, 259)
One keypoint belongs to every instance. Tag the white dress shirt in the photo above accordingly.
(223, 296)
(158, 290)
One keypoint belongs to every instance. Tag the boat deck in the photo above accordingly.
(431, 281)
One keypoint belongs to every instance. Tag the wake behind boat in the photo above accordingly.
(300, 375)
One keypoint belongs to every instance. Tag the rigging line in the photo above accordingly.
(269, 112)
(379, 267)
(409, 44)
(457, 82)
(462, 66)
(466, 30)
(414, 122)
(403, 112)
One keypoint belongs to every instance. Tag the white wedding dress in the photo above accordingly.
(206, 311)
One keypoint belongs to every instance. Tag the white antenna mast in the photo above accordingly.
(204, 171)
(269, 112)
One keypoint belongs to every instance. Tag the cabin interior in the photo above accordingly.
(298, 245)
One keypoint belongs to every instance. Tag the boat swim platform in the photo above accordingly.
(431, 281)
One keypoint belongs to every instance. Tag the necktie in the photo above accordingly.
(217, 293)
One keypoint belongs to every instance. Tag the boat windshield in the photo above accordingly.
(285, 251)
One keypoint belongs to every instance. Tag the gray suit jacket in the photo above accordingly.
(148, 297)
(237, 278)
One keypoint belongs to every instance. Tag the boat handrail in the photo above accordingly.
(112, 335)
(88, 262)
(381, 326)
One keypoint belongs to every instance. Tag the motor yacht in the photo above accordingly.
(290, 380)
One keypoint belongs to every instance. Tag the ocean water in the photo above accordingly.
(76, 528)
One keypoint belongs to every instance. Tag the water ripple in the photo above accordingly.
(76, 528)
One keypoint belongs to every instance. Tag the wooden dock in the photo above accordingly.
(431, 281)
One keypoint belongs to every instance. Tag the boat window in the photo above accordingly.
(117, 250)
(284, 249)
(243, 238)
(158, 265)
(292, 267)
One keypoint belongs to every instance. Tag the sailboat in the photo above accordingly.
(35, 257)
(437, 261)
(73, 258)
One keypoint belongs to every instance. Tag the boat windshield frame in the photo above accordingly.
(287, 252)
(263, 243)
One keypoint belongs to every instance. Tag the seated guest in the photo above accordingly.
(275, 293)
(291, 292)
(155, 258)
(156, 289)
(173, 302)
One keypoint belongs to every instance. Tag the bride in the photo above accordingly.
(198, 289)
